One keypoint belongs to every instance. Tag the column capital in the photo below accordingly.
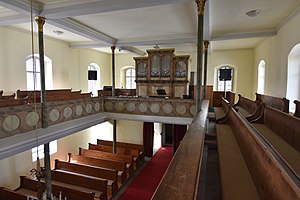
(40, 21)
(113, 48)
(200, 4)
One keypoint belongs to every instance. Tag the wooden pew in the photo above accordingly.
(81, 182)
(1, 92)
(125, 145)
(7, 97)
(245, 106)
(113, 165)
(110, 175)
(30, 186)
(217, 97)
(7, 194)
(120, 150)
(110, 156)
(281, 104)
(297, 111)
(221, 113)
(12, 102)
(273, 177)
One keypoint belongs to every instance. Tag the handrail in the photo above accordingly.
(182, 176)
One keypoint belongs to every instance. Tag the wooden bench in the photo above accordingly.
(110, 175)
(281, 104)
(80, 182)
(30, 186)
(272, 176)
(245, 106)
(7, 194)
(4, 97)
(110, 156)
(297, 111)
(125, 145)
(217, 97)
(236, 180)
(120, 150)
(113, 165)
(12, 102)
(221, 112)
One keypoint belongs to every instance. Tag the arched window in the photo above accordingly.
(33, 73)
(130, 78)
(261, 77)
(227, 73)
(93, 78)
(293, 77)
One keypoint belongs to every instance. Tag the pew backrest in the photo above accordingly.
(297, 111)
(120, 150)
(7, 194)
(284, 125)
(122, 144)
(247, 104)
(32, 185)
(281, 104)
(87, 170)
(12, 102)
(3, 97)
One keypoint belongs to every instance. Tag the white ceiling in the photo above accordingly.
(140, 24)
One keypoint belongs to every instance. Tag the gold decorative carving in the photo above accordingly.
(201, 4)
(40, 21)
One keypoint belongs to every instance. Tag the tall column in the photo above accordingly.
(113, 70)
(200, 4)
(41, 21)
(206, 43)
(113, 94)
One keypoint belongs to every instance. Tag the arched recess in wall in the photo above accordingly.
(127, 77)
(261, 77)
(230, 85)
(93, 78)
(31, 72)
(293, 76)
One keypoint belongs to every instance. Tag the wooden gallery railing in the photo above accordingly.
(182, 176)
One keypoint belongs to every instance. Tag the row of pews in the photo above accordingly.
(22, 97)
(94, 173)
(259, 149)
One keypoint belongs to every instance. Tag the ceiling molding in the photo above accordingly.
(14, 19)
(64, 10)
(74, 26)
(21, 6)
(288, 19)
(133, 50)
(244, 35)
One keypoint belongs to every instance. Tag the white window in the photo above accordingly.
(40, 150)
(130, 78)
(33, 74)
(261, 77)
(93, 79)
(227, 85)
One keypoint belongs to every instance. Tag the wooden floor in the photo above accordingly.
(209, 186)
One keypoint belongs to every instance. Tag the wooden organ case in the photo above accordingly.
(162, 70)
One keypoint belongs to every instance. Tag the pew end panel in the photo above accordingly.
(297, 111)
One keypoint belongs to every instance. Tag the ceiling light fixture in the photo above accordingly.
(253, 13)
(58, 32)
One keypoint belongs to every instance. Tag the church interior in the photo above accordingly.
(156, 99)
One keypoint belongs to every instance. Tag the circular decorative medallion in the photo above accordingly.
(130, 107)
(88, 108)
(11, 123)
(180, 109)
(32, 118)
(97, 106)
(154, 108)
(143, 107)
(119, 106)
(167, 108)
(193, 110)
(108, 106)
(54, 115)
(68, 112)
(79, 110)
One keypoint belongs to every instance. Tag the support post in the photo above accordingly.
(206, 43)
(200, 4)
(113, 70)
(115, 136)
(41, 21)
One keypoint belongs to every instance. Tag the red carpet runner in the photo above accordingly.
(144, 185)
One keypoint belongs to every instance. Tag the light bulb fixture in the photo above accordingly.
(253, 13)
(58, 32)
